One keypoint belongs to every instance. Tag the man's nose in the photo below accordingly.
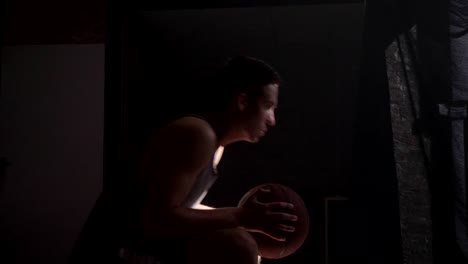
(271, 120)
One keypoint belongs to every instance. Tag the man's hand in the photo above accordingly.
(272, 219)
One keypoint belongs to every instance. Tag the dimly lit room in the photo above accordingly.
(233, 131)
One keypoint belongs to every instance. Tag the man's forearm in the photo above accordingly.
(190, 221)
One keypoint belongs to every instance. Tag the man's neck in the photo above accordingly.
(223, 128)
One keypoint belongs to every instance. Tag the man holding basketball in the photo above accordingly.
(178, 166)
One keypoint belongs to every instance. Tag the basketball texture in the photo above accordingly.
(268, 247)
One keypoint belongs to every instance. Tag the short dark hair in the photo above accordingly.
(242, 74)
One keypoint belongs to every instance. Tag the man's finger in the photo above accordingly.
(286, 228)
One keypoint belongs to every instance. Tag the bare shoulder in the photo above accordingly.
(194, 124)
(194, 128)
(189, 132)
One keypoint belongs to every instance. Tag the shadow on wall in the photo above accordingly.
(51, 132)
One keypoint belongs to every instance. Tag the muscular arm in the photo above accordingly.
(172, 165)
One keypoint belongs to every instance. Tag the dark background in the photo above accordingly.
(310, 148)
(77, 76)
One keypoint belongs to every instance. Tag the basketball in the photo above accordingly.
(268, 247)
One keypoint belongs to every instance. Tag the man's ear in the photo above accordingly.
(242, 101)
